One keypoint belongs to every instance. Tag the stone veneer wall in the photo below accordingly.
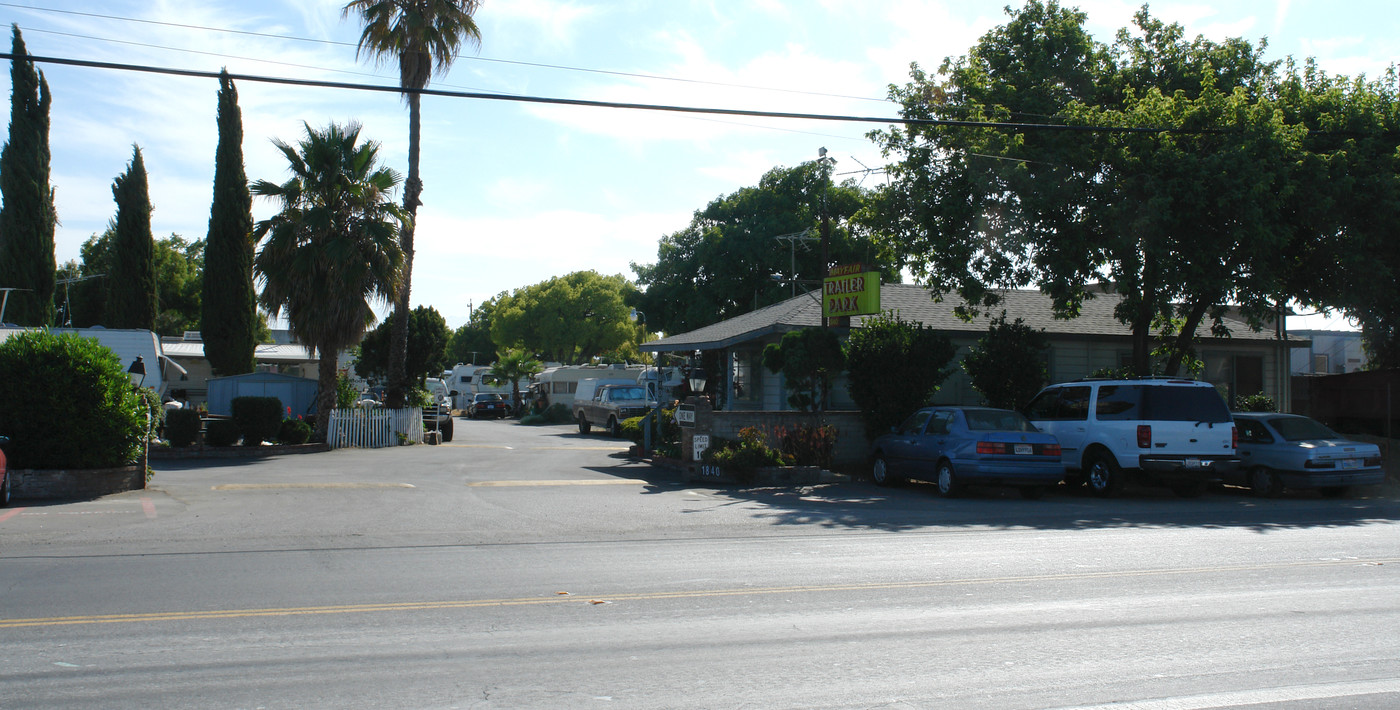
(76, 483)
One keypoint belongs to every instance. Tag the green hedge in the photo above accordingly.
(67, 402)
(221, 432)
(293, 432)
(259, 419)
(182, 427)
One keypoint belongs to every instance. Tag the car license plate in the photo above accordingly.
(1023, 449)
(1193, 463)
(1351, 463)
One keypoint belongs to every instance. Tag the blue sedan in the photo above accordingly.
(955, 446)
(1281, 451)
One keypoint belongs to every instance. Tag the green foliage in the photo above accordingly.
(229, 316)
(720, 266)
(566, 319)
(513, 366)
(555, 414)
(807, 444)
(293, 432)
(1176, 223)
(66, 402)
(471, 343)
(668, 434)
(1007, 365)
(427, 346)
(182, 428)
(894, 367)
(331, 247)
(743, 458)
(258, 418)
(1255, 403)
(27, 216)
(221, 432)
(131, 285)
(1113, 373)
(345, 393)
(809, 360)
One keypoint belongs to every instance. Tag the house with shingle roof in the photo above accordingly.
(1247, 362)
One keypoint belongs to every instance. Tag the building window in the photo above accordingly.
(1320, 364)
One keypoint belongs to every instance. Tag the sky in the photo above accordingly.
(516, 193)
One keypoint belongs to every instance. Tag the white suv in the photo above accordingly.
(1169, 431)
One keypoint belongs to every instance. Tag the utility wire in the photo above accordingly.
(602, 104)
(561, 67)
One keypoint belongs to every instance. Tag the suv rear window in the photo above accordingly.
(1184, 404)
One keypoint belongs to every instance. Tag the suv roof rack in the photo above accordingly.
(1137, 377)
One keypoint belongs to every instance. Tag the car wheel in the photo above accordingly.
(880, 473)
(614, 429)
(4, 489)
(583, 426)
(1032, 492)
(1104, 477)
(1263, 482)
(948, 484)
(446, 429)
(1333, 491)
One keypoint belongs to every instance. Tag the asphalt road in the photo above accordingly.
(533, 567)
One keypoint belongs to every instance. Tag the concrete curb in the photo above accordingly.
(236, 452)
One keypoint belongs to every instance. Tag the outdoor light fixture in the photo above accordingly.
(137, 368)
(696, 378)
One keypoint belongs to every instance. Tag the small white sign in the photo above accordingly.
(699, 443)
(685, 416)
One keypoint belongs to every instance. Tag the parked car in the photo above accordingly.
(1282, 451)
(4, 473)
(956, 446)
(487, 404)
(1167, 431)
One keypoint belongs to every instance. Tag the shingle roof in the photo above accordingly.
(915, 303)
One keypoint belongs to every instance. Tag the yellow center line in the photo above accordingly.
(645, 596)
(292, 486)
(575, 482)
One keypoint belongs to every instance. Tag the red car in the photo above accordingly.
(4, 474)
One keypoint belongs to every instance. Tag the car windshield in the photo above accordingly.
(628, 393)
(488, 398)
(1301, 429)
(996, 420)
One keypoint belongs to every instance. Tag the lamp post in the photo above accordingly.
(138, 367)
(652, 388)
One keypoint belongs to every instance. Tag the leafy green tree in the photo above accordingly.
(514, 366)
(179, 278)
(471, 342)
(331, 247)
(1007, 365)
(427, 346)
(810, 359)
(131, 284)
(27, 217)
(229, 321)
(1178, 222)
(722, 264)
(568, 319)
(894, 367)
(422, 37)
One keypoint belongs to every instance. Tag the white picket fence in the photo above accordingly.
(374, 428)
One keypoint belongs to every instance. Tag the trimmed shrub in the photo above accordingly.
(259, 419)
(743, 459)
(1255, 403)
(66, 402)
(182, 427)
(221, 432)
(806, 444)
(293, 432)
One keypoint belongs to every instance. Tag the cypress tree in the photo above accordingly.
(27, 216)
(229, 325)
(132, 284)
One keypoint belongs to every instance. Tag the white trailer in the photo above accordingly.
(128, 344)
(557, 385)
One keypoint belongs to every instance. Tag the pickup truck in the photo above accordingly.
(437, 416)
(609, 407)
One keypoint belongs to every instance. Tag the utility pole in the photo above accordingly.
(826, 164)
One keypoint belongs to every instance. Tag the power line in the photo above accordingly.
(601, 104)
(561, 67)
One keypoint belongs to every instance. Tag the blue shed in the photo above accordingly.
(299, 393)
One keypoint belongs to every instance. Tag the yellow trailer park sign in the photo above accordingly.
(852, 290)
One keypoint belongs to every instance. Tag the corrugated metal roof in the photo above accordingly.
(915, 303)
(262, 353)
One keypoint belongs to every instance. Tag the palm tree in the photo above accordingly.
(514, 366)
(331, 248)
(423, 37)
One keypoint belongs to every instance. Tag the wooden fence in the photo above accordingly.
(374, 428)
